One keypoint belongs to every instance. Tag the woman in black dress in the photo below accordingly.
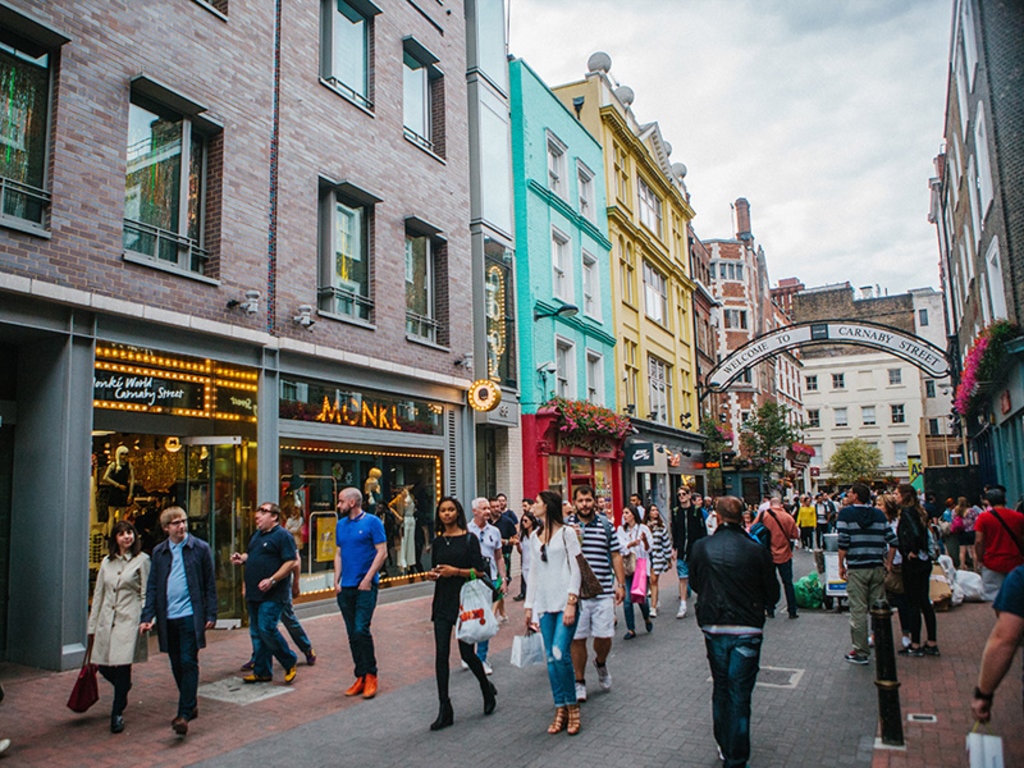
(455, 556)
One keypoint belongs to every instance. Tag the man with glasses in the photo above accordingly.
(181, 599)
(687, 529)
(269, 562)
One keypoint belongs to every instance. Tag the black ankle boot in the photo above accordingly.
(490, 700)
(116, 723)
(445, 716)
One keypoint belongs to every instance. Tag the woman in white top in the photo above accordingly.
(551, 596)
(635, 537)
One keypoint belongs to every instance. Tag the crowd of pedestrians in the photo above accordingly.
(736, 559)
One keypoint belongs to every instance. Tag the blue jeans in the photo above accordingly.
(627, 609)
(557, 640)
(295, 630)
(183, 651)
(481, 650)
(734, 661)
(357, 610)
(268, 642)
(785, 571)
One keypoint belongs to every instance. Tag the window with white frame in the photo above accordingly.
(346, 42)
(621, 171)
(565, 368)
(898, 414)
(556, 165)
(996, 289)
(922, 317)
(649, 206)
(422, 97)
(659, 390)
(736, 318)
(424, 272)
(629, 356)
(933, 427)
(561, 274)
(840, 417)
(929, 388)
(591, 286)
(655, 294)
(595, 377)
(867, 415)
(899, 450)
(838, 381)
(895, 376)
(627, 272)
(811, 383)
(585, 191)
(813, 417)
(984, 164)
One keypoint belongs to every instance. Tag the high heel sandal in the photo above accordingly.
(558, 724)
(574, 720)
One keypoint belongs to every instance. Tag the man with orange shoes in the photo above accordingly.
(362, 550)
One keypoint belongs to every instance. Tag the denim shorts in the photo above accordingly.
(682, 568)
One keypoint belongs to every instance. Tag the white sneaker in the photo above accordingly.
(488, 669)
(464, 665)
(604, 677)
(681, 614)
(581, 691)
(4, 744)
(654, 613)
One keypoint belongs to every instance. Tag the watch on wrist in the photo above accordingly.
(983, 696)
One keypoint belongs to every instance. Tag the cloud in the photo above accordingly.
(825, 116)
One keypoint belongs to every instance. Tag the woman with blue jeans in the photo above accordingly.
(635, 538)
(551, 597)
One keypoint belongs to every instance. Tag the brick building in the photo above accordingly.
(205, 209)
(978, 209)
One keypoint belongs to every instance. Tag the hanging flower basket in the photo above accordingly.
(984, 365)
(585, 425)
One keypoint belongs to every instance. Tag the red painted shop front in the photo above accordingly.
(550, 464)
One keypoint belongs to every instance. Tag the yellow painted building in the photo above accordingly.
(652, 299)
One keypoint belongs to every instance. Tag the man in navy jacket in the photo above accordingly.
(181, 599)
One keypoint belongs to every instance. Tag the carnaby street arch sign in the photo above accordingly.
(925, 355)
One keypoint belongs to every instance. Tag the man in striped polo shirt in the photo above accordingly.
(866, 548)
(601, 549)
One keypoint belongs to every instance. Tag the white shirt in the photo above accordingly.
(490, 543)
(625, 537)
(554, 577)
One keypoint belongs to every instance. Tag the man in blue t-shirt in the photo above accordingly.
(269, 561)
(362, 550)
(1002, 643)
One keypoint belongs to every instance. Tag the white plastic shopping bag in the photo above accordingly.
(984, 750)
(527, 649)
(476, 617)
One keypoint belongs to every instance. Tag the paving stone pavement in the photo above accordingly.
(810, 708)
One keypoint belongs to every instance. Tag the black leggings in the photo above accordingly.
(121, 678)
(442, 651)
(916, 583)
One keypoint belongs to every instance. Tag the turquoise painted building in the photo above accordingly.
(562, 251)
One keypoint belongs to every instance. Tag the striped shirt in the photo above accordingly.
(599, 542)
(865, 536)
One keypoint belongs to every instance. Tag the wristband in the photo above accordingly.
(472, 574)
(983, 696)
(273, 581)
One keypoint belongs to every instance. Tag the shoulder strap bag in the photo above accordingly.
(590, 586)
(1012, 534)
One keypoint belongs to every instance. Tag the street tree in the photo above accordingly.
(765, 437)
(855, 460)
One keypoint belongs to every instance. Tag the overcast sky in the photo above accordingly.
(825, 114)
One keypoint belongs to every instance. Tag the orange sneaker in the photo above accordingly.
(356, 687)
(370, 689)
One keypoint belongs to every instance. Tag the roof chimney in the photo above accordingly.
(743, 219)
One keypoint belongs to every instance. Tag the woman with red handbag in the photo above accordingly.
(114, 640)
(636, 537)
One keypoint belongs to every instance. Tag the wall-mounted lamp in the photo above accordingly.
(304, 318)
(687, 452)
(250, 304)
(577, 104)
(548, 368)
(629, 410)
(466, 361)
(566, 310)
(651, 416)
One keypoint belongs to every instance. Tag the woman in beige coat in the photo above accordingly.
(114, 641)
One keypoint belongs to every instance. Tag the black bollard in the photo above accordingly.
(889, 712)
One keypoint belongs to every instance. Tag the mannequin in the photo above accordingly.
(120, 478)
(371, 492)
(404, 508)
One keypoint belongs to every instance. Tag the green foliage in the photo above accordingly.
(855, 460)
(766, 435)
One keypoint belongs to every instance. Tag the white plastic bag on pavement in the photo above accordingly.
(947, 568)
(476, 617)
(970, 583)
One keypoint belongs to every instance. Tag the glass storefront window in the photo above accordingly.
(401, 488)
(556, 474)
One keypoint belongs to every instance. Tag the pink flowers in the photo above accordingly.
(588, 425)
(983, 364)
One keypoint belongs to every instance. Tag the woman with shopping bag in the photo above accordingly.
(551, 597)
(114, 640)
(456, 561)
(635, 537)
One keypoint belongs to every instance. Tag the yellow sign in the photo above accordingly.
(484, 395)
(915, 468)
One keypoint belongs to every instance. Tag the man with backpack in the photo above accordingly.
(783, 530)
(866, 548)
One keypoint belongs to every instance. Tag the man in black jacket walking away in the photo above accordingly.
(734, 578)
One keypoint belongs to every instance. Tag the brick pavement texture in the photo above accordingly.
(658, 713)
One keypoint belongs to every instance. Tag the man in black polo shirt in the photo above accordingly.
(268, 562)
